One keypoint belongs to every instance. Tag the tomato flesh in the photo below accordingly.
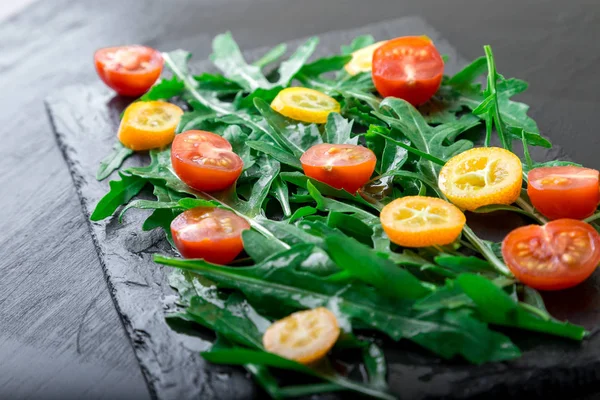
(343, 166)
(409, 68)
(204, 161)
(564, 192)
(558, 255)
(129, 70)
(213, 234)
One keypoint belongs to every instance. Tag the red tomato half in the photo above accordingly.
(204, 161)
(564, 192)
(343, 166)
(213, 234)
(409, 68)
(129, 70)
(558, 255)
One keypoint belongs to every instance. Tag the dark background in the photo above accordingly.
(60, 336)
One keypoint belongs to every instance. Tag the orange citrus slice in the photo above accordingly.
(149, 124)
(362, 59)
(304, 336)
(419, 221)
(306, 105)
(482, 176)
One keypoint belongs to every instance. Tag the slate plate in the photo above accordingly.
(85, 119)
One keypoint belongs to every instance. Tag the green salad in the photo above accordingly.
(321, 206)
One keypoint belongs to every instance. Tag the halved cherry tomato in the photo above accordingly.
(149, 124)
(564, 192)
(482, 176)
(129, 70)
(419, 221)
(558, 255)
(343, 166)
(204, 161)
(213, 234)
(409, 68)
(306, 105)
(362, 59)
(304, 336)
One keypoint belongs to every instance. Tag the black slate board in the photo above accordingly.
(85, 119)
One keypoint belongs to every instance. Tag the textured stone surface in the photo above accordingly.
(60, 337)
(85, 119)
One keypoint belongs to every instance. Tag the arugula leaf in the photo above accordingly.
(358, 43)
(278, 125)
(184, 203)
(278, 280)
(243, 356)
(351, 226)
(164, 89)
(260, 189)
(159, 172)
(496, 307)
(229, 59)
(467, 336)
(194, 119)
(120, 193)
(247, 102)
(376, 367)
(258, 247)
(311, 73)
(237, 138)
(113, 161)
(289, 134)
(275, 152)
(234, 319)
(271, 56)
(359, 112)
(288, 69)
(205, 100)
(301, 180)
(364, 264)
(280, 191)
(162, 217)
(216, 83)
(509, 118)
(380, 240)
(338, 130)
(261, 373)
(399, 114)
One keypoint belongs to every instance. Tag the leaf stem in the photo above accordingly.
(592, 217)
(487, 253)
(525, 206)
(536, 311)
(491, 81)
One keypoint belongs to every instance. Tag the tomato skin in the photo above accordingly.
(139, 68)
(331, 164)
(208, 176)
(408, 68)
(564, 192)
(559, 255)
(200, 233)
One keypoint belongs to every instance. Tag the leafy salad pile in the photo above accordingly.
(312, 245)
